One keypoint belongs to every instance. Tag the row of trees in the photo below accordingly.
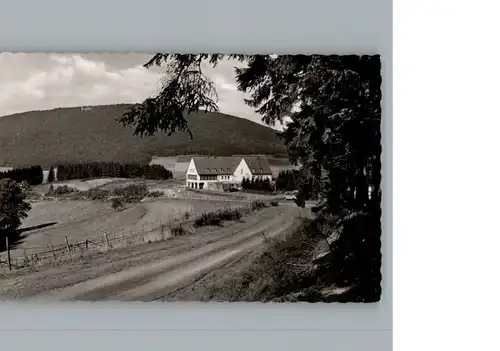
(288, 180)
(31, 175)
(257, 184)
(111, 169)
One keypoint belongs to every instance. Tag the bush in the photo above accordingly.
(258, 205)
(117, 203)
(64, 189)
(96, 194)
(60, 190)
(155, 193)
(216, 218)
(132, 192)
(275, 203)
(178, 230)
(230, 215)
(206, 219)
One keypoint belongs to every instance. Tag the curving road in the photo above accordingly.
(154, 271)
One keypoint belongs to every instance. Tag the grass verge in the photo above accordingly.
(283, 270)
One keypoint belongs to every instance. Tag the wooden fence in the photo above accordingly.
(32, 256)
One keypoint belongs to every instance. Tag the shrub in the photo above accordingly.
(274, 203)
(210, 218)
(132, 192)
(117, 203)
(178, 230)
(61, 190)
(96, 194)
(216, 218)
(155, 193)
(187, 215)
(230, 214)
(258, 205)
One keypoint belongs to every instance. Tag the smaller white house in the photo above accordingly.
(259, 167)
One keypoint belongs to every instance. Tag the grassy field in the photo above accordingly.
(80, 219)
(72, 135)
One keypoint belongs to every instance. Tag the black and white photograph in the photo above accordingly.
(190, 177)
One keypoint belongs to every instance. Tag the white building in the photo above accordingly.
(259, 167)
(215, 173)
(220, 173)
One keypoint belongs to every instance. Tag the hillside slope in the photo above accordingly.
(72, 135)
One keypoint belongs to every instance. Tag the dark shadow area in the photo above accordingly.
(17, 237)
(35, 227)
(354, 263)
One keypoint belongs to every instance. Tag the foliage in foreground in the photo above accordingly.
(293, 269)
(284, 268)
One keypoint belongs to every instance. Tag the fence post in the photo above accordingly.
(86, 244)
(8, 251)
(107, 240)
(67, 243)
(51, 248)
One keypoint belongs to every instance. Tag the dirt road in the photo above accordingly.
(154, 271)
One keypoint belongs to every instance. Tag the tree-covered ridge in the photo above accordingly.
(70, 135)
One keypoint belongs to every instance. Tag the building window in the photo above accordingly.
(208, 177)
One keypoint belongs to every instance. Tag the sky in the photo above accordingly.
(31, 81)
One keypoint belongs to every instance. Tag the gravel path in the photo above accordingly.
(153, 271)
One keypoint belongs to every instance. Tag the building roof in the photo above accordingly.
(258, 165)
(216, 165)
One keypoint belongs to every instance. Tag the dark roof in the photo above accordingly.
(216, 165)
(258, 165)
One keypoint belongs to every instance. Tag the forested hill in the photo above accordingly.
(72, 135)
